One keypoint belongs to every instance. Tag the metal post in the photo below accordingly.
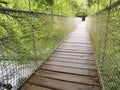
(33, 36)
(52, 23)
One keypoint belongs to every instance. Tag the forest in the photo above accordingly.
(63, 7)
(31, 29)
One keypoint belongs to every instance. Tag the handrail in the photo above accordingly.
(27, 11)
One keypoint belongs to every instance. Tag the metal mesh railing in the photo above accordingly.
(26, 38)
(105, 36)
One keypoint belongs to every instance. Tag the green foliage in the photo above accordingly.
(96, 5)
(3, 3)
(64, 7)
(25, 37)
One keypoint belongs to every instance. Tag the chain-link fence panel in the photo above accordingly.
(26, 38)
(104, 28)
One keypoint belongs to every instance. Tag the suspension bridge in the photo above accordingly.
(42, 51)
(70, 67)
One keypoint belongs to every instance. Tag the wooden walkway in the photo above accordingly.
(70, 67)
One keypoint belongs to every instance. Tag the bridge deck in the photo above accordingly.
(70, 67)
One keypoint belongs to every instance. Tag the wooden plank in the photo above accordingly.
(91, 62)
(86, 51)
(70, 70)
(73, 57)
(78, 48)
(68, 77)
(77, 42)
(85, 42)
(75, 45)
(78, 39)
(72, 50)
(33, 87)
(74, 54)
(75, 48)
(60, 85)
(73, 65)
(78, 35)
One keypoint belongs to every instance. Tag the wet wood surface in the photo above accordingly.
(71, 67)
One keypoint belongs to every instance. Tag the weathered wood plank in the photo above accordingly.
(34, 87)
(74, 54)
(74, 65)
(91, 62)
(76, 35)
(76, 48)
(68, 77)
(70, 70)
(60, 85)
(72, 50)
(77, 39)
(75, 45)
(84, 48)
(73, 57)
(78, 42)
